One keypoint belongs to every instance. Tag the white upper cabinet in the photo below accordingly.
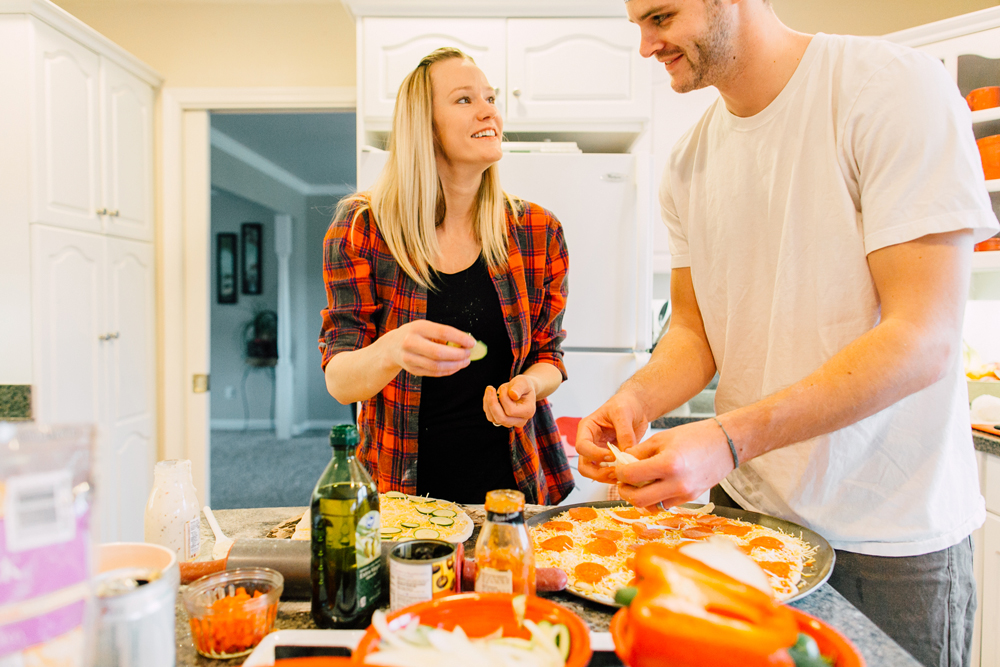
(94, 151)
(546, 71)
(127, 140)
(394, 46)
(67, 187)
(587, 68)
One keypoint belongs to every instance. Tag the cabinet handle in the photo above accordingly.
(113, 336)
(496, 91)
(102, 211)
(516, 92)
(113, 213)
(102, 338)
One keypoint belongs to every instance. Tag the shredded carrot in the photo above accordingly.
(228, 628)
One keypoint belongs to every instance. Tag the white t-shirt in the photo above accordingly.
(869, 145)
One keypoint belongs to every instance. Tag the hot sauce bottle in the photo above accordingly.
(505, 560)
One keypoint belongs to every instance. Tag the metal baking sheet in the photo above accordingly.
(813, 576)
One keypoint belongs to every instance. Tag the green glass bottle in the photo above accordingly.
(346, 539)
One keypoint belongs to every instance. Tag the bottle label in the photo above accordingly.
(192, 538)
(368, 552)
(489, 580)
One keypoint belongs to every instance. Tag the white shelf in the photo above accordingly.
(986, 261)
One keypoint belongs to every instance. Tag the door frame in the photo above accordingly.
(182, 257)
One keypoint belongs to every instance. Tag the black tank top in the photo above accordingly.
(461, 455)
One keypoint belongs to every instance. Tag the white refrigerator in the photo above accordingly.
(602, 201)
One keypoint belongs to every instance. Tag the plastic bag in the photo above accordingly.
(46, 545)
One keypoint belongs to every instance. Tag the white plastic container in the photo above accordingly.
(173, 517)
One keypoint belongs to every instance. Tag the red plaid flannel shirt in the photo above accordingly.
(368, 294)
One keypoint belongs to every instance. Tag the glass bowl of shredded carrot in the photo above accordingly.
(230, 612)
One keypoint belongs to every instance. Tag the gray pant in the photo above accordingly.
(926, 603)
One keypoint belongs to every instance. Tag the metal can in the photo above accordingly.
(422, 570)
(136, 621)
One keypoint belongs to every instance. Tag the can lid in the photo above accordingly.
(504, 501)
(344, 435)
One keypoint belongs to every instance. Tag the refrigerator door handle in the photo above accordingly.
(615, 177)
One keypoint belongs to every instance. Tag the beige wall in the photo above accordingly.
(212, 44)
(870, 17)
(292, 43)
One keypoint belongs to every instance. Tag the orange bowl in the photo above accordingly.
(479, 614)
(984, 98)
(989, 151)
(831, 643)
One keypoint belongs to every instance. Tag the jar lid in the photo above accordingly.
(504, 501)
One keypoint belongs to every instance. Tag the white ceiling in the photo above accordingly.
(312, 151)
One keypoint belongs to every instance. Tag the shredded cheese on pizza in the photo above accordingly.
(608, 537)
(406, 517)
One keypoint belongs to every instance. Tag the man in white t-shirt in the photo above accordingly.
(822, 215)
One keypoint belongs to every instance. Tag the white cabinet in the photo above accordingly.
(545, 70)
(76, 258)
(586, 68)
(67, 187)
(93, 299)
(392, 47)
(127, 153)
(94, 140)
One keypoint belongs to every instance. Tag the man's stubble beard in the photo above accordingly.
(716, 53)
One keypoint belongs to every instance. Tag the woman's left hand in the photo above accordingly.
(513, 404)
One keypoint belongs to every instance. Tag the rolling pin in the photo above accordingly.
(292, 557)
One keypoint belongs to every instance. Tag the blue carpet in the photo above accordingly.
(255, 469)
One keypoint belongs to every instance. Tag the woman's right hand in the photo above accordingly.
(429, 349)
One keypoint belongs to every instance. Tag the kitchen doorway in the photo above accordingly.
(276, 180)
(187, 260)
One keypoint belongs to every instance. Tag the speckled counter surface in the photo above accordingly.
(825, 603)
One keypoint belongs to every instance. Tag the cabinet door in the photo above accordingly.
(66, 151)
(68, 303)
(393, 47)
(127, 147)
(990, 601)
(575, 69)
(131, 352)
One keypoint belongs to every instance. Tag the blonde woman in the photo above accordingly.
(433, 258)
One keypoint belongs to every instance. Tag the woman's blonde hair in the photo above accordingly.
(407, 201)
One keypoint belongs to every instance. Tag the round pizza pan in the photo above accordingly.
(813, 575)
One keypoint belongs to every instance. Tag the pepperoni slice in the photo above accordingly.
(557, 543)
(674, 522)
(711, 520)
(613, 535)
(558, 525)
(778, 568)
(583, 514)
(601, 547)
(590, 573)
(734, 529)
(628, 513)
(645, 532)
(767, 542)
(695, 533)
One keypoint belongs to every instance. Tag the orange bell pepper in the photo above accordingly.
(687, 614)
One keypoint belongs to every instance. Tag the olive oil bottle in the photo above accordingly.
(346, 539)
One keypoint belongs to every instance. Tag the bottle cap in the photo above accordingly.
(504, 501)
(345, 435)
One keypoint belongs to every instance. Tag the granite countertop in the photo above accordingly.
(825, 603)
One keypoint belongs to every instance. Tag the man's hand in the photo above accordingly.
(678, 464)
(622, 421)
(513, 404)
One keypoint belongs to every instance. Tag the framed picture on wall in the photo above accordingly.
(253, 268)
(225, 268)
